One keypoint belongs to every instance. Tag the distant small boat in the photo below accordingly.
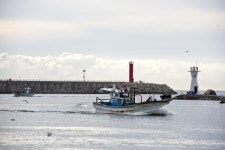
(124, 102)
(222, 102)
(25, 92)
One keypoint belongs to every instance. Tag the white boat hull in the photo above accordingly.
(145, 107)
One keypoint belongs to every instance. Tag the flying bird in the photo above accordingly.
(49, 134)
(186, 51)
(25, 101)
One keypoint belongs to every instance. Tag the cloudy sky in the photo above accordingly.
(57, 39)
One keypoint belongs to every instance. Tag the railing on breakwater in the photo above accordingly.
(62, 80)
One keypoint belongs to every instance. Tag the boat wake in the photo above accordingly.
(159, 112)
(81, 106)
(82, 109)
(51, 111)
(29, 107)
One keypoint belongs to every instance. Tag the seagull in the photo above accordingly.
(186, 51)
(25, 101)
(49, 134)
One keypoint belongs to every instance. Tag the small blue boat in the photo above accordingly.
(25, 92)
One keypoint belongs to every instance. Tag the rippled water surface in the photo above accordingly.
(72, 120)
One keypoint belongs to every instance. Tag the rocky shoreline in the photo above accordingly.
(147, 88)
(199, 97)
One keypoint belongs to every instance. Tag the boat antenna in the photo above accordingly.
(153, 95)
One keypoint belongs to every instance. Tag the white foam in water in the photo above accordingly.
(81, 106)
(84, 108)
(159, 112)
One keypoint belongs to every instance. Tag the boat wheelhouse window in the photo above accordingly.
(126, 94)
(115, 94)
(122, 94)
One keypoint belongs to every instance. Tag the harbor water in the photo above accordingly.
(55, 121)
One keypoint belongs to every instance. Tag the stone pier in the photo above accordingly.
(199, 97)
(78, 87)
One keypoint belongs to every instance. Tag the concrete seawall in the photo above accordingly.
(77, 87)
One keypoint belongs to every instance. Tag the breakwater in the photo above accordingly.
(199, 97)
(79, 87)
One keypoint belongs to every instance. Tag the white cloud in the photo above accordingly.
(69, 66)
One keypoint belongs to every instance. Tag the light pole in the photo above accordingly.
(84, 74)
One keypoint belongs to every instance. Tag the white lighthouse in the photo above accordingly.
(194, 82)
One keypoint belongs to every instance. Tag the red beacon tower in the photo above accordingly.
(131, 77)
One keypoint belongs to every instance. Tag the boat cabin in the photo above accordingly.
(26, 91)
(119, 98)
(119, 94)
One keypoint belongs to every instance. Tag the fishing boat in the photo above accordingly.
(25, 92)
(123, 101)
(222, 101)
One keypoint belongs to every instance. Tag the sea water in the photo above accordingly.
(71, 119)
